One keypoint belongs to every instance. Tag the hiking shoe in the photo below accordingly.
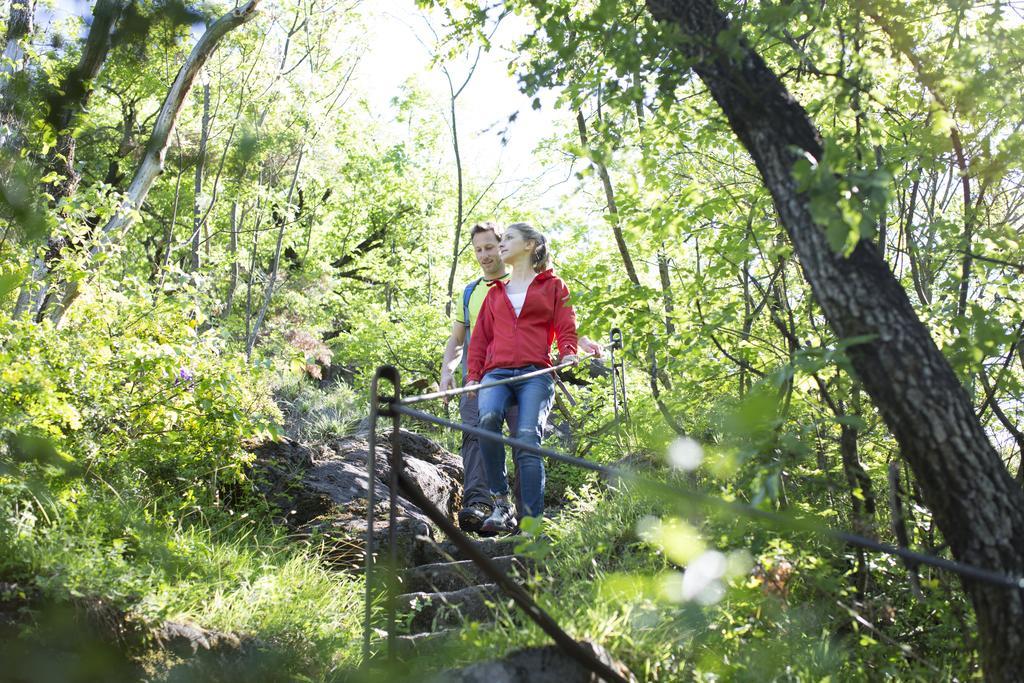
(502, 519)
(472, 517)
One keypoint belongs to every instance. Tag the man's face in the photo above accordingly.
(485, 247)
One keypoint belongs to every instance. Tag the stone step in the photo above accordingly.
(451, 576)
(432, 612)
(415, 644)
(430, 551)
(545, 664)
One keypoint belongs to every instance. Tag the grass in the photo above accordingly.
(312, 414)
(229, 574)
(602, 582)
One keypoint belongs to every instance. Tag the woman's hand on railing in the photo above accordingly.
(590, 347)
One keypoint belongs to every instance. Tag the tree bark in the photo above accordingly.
(899, 527)
(862, 496)
(233, 250)
(282, 221)
(921, 286)
(72, 97)
(197, 186)
(153, 160)
(977, 504)
(613, 209)
(65, 102)
(653, 373)
(460, 217)
(20, 25)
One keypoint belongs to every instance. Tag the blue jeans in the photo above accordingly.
(474, 475)
(535, 397)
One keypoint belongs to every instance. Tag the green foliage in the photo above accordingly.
(132, 394)
(613, 571)
(229, 572)
(312, 414)
(847, 205)
(324, 247)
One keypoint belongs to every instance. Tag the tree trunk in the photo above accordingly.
(282, 220)
(20, 25)
(233, 250)
(613, 209)
(253, 261)
(73, 96)
(921, 286)
(65, 102)
(882, 217)
(862, 496)
(666, 292)
(152, 162)
(197, 187)
(899, 527)
(627, 261)
(458, 217)
(977, 504)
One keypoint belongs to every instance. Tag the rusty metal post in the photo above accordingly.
(396, 470)
(615, 339)
(390, 374)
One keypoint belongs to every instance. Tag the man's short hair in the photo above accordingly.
(484, 227)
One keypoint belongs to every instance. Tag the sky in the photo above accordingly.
(400, 47)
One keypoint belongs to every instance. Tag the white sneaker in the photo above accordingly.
(502, 519)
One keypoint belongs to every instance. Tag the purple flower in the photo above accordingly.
(184, 376)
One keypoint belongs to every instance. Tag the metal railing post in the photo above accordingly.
(615, 342)
(396, 472)
(389, 373)
(618, 373)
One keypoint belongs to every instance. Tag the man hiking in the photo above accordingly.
(476, 496)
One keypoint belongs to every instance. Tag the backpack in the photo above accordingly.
(466, 295)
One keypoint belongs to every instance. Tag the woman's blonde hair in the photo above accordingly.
(541, 257)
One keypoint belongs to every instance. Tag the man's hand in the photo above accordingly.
(447, 381)
(588, 345)
(571, 358)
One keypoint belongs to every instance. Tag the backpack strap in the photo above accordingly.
(467, 294)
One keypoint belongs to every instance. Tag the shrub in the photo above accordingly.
(129, 396)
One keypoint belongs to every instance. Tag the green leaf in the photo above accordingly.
(11, 280)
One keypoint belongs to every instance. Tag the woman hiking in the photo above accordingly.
(518, 320)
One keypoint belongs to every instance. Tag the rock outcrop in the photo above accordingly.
(547, 664)
(322, 490)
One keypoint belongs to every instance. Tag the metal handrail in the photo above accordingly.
(732, 507)
(396, 407)
(448, 393)
(516, 592)
(391, 374)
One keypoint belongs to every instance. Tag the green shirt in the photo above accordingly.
(476, 300)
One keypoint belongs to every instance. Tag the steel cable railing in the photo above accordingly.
(449, 393)
(706, 500)
(396, 475)
(394, 406)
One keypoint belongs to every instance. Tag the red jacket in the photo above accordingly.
(501, 340)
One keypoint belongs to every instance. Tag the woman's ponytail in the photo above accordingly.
(541, 257)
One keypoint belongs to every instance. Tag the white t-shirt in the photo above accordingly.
(517, 301)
